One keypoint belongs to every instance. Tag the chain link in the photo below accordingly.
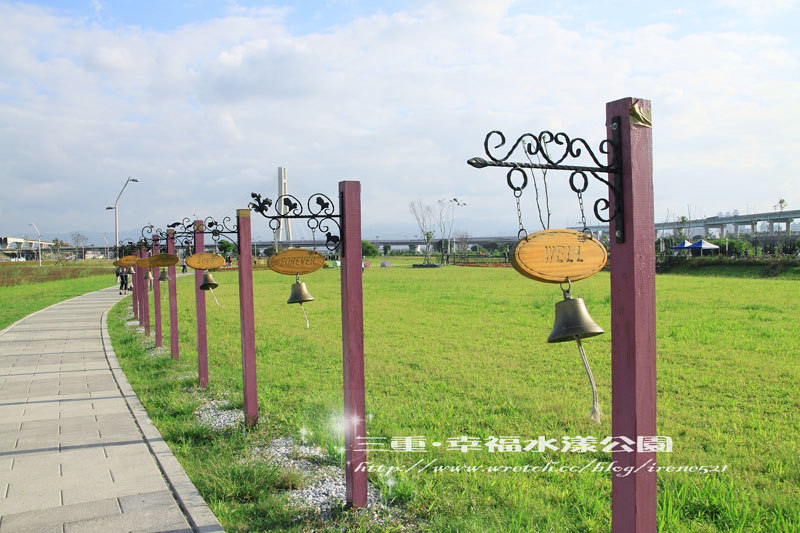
(583, 215)
(522, 233)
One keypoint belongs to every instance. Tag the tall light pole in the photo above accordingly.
(40, 242)
(116, 211)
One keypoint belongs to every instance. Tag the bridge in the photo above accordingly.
(721, 223)
(19, 243)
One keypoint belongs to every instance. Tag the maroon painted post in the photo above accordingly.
(157, 296)
(200, 306)
(145, 305)
(138, 283)
(246, 318)
(353, 345)
(173, 298)
(633, 324)
(133, 288)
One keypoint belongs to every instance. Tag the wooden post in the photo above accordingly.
(200, 307)
(246, 319)
(138, 284)
(157, 296)
(353, 345)
(173, 298)
(145, 295)
(133, 288)
(633, 324)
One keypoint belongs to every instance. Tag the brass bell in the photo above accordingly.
(163, 275)
(148, 275)
(299, 294)
(573, 321)
(208, 282)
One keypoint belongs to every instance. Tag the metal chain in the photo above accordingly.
(583, 215)
(522, 233)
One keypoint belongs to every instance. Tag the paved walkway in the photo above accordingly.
(77, 450)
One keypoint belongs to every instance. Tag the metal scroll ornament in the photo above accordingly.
(318, 212)
(555, 151)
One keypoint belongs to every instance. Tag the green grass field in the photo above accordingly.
(27, 288)
(462, 352)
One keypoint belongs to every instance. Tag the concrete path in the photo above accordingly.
(77, 450)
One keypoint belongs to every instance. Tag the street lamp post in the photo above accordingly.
(116, 211)
(40, 242)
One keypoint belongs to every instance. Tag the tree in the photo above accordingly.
(424, 215)
(57, 245)
(781, 205)
(226, 248)
(368, 249)
(684, 222)
(462, 242)
(444, 220)
(387, 248)
(78, 240)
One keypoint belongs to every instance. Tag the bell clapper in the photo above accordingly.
(300, 295)
(574, 323)
(595, 413)
(215, 298)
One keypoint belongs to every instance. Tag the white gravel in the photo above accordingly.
(325, 491)
(159, 352)
(217, 415)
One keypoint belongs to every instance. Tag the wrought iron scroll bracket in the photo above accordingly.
(183, 233)
(223, 229)
(125, 247)
(318, 212)
(544, 145)
(149, 232)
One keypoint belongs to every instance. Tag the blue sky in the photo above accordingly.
(202, 101)
(306, 17)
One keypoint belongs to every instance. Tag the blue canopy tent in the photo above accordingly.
(703, 245)
(682, 246)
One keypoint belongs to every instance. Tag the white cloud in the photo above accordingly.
(400, 101)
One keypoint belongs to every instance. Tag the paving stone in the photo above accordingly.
(72, 456)
(58, 515)
(144, 501)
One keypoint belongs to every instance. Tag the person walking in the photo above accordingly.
(123, 280)
(183, 266)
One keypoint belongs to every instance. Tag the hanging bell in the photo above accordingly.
(148, 275)
(208, 282)
(573, 321)
(299, 293)
(163, 275)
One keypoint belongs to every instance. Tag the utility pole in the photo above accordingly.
(116, 210)
(40, 242)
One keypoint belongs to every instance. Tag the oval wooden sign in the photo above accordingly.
(205, 261)
(117, 263)
(293, 261)
(164, 260)
(143, 262)
(128, 260)
(554, 255)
